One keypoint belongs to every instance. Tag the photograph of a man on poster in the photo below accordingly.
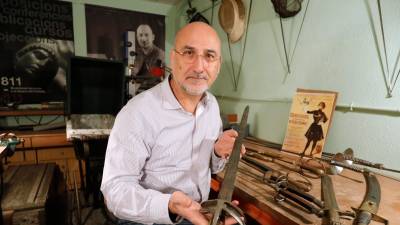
(134, 37)
(149, 60)
(148, 55)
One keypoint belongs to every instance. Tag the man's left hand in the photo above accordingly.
(224, 145)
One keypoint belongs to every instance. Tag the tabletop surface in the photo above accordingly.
(349, 188)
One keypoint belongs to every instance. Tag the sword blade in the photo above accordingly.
(228, 183)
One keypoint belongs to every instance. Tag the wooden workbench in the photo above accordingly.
(45, 147)
(256, 198)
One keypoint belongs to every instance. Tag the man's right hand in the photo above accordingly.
(184, 206)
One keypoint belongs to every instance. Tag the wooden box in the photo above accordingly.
(35, 194)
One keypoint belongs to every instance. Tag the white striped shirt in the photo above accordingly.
(156, 148)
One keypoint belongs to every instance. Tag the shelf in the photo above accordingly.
(32, 112)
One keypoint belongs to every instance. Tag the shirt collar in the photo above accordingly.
(169, 99)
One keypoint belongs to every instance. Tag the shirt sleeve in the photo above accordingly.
(217, 163)
(126, 155)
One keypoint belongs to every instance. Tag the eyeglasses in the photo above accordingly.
(190, 55)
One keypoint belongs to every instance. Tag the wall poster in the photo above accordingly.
(134, 37)
(309, 121)
(36, 40)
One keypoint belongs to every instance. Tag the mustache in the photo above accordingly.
(198, 76)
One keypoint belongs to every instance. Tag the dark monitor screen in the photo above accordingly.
(95, 86)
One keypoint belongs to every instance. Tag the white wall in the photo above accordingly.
(336, 51)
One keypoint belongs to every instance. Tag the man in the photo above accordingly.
(148, 55)
(166, 141)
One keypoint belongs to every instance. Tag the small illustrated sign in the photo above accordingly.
(309, 121)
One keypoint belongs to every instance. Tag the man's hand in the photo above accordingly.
(184, 206)
(224, 145)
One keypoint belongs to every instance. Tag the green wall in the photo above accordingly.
(336, 50)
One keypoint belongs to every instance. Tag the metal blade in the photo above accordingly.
(228, 183)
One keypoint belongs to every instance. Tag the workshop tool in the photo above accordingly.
(331, 208)
(285, 189)
(332, 213)
(297, 165)
(348, 155)
(370, 204)
(257, 163)
(8, 142)
(222, 206)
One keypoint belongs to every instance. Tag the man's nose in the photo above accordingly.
(199, 64)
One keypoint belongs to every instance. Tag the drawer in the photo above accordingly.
(27, 143)
(55, 154)
(22, 157)
(49, 141)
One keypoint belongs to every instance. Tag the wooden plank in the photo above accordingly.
(43, 139)
(49, 141)
(56, 154)
(26, 143)
(40, 169)
(45, 185)
(21, 157)
(22, 189)
(31, 112)
(11, 171)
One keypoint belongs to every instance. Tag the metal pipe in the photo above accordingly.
(339, 107)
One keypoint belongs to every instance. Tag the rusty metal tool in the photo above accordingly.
(305, 185)
(348, 155)
(332, 213)
(331, 208)
(370, 205)
(285, 189)
(296, 165)
(222, 206)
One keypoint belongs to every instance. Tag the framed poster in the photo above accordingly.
(36, 40)
(309, 121)
(137, 38)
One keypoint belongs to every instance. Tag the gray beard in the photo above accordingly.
(194, 92)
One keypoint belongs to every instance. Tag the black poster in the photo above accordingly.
(36, 40)
(136, 38)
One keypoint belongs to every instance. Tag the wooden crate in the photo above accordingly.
(35, 193)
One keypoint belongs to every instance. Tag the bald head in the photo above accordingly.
(198, 31)
(195, 60)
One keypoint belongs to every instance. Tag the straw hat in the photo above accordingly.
(232, 16)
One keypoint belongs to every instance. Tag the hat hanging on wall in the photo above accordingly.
(287, 8)
(232, 16)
